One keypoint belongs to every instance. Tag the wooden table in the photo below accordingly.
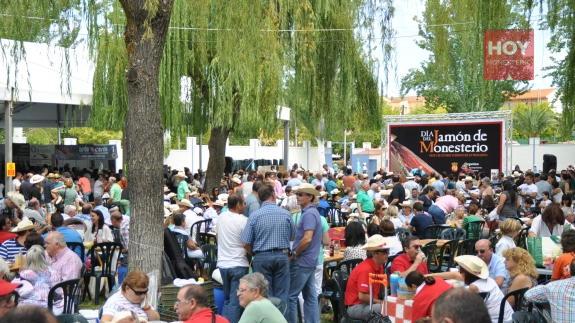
(440, 242)
(337, 257)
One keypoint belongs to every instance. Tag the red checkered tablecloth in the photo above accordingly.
(399, 310)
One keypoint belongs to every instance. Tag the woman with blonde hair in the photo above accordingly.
(521, 268)
(391, 214)
(509, 229)
(36, 278)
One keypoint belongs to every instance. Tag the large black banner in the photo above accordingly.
(446, 147)
(85, 152)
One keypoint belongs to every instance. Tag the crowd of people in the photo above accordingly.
(272, 232)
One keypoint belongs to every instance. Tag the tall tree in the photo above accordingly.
(560, 19)
(452, 77)
(145, 26)
(534, 120)
(332, 86)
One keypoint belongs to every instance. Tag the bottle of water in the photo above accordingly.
(394, 283)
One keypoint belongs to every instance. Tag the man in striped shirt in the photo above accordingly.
(12, 247)
(63, 261)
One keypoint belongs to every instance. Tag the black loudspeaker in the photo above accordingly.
(229, 165)
(549, 162)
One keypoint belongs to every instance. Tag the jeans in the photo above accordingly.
(231, 280)
(274, 265)
(302, 280)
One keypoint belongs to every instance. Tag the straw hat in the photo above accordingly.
(406, 204)
(474, 265)
(23, 225)
(36, 179)
(166, 189)
(17, 199)
(237, 180)
(335, 191)
(181, 175)
(377, 242)
(198, 210)
(307, 189)
(322, 193)
(219, 203)
(223, 198)
(170, 195)
(186, 203)
(167, 213)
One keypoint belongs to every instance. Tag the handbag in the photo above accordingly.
(375, 317)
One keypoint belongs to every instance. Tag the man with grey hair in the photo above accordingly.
(252, 294)
(63, 262)
(70, 211)
(364, 202)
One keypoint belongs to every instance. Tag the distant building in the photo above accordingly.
(536, 96)
(406, 104)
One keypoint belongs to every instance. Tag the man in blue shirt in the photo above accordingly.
(420, 220)
(70, 235)
(306, 248)
(495, 263)
(267, 236)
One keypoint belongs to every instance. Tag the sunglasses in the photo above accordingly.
(139, 293)
(385, 252)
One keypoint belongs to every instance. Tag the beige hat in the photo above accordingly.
(219, 203)
(181, 175)
(167, 212)
(166, 189)
(17, 199)
(335, 191)
(36, 179)
(307, 189)
(23, 225)
(474, 265)
(223, 197)
(186, 203)
(468, 179)
(237, 180)
(170, 195)
(322, 193)
(406, 204)
(377, 242)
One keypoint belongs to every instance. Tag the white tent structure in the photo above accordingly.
(47, 87)
(52, 85)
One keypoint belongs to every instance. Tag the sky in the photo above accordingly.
(408, 55)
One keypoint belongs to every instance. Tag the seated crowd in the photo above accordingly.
(281, 224)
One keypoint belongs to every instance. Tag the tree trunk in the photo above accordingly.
(145, 38)
(217, 160)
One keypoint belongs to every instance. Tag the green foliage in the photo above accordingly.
(93, 136)
(561, 21)
(533, 120)
(453, 75)
(41, 136)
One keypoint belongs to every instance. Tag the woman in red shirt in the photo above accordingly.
(427, 290)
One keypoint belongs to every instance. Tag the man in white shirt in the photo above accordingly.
(232, 260)
(191, 217)
(528, 189)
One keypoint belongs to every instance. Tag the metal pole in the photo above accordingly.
(345, 148)
(286, 144)
(200, 151)
(8, 109)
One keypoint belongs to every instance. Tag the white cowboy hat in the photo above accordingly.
(377, 242)
(219, 203)
(198, 210)
(170, 195)
(181, 175)
(166, 189)
(406, 204)
(237, 180)
(23, 225)
(307, 189)
(17, 199)
(186, 203)
(223, 197)
(322, 193)
(335, 191)
(36, 179)
(474, 265)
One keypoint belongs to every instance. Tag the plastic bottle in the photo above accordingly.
(394, 283)
(331, 249)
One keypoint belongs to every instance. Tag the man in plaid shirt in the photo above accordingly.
(561, 296)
